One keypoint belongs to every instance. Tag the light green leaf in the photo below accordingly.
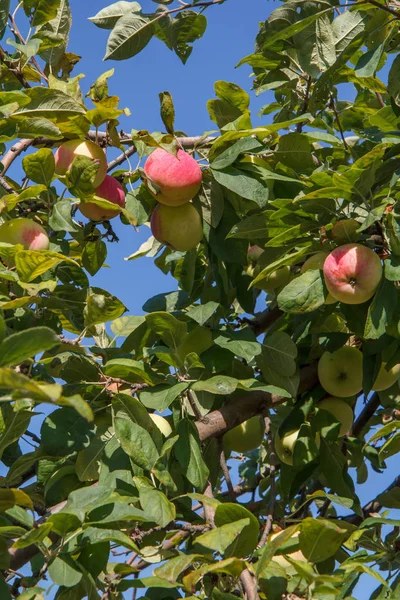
(33, 263)
(156, 506)
(303, 294)
(220, 538)
(130, 35)
(108, 16)
(25, 344)
(136, 442)
(64, 571)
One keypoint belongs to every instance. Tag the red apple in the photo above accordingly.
(66, 153)
(254, 253)
(179, 227)
(110, 190)
(178, 178)
(30, 234)
(352, 273)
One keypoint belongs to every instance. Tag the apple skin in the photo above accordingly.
(110, 189)
(341, 410)
(177, 177)
(280, 559)
(352, 273)
(284, 447)
(245, 437)
(66, 153)
(344, 231)
(316, 261)
(23, 231)
(386, 379)
(162, 424)
(254, 253)
(340, 373)
(277, 279)
(179, 227)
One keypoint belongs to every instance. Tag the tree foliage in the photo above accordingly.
(104, 494)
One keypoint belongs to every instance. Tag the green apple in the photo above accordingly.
(344, 231)
(340, 373)
(284, 446)
(178, 227)
(386, 379)
(276, 280)
(245, 437)
(341, 411)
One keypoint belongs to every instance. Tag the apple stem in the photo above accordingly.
(225, 470)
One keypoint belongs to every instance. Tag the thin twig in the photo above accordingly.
(17, 33)
(333, 106)
(13, 153)
(193, 405)
(225, 470)
(304, 108)
(380, 99)
(272, 501)
(365, 415)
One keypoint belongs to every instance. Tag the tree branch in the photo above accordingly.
(244, 406)
(373, 506)
(271, 505)
(13, 153)
(365, 415)
(225, 470)
(264, 320)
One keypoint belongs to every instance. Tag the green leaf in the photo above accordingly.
(61, 219)
(320, 539)
(28, 49)
(271, 548)
(381, 310)
(394, 78)
(246, 541)
(202, 312)
(101, 308)
(4, 10)
(304, 294)
(160, 397)
(294, 150)
(88, 460)
(228, 156)
(368, 63)
(130, 35)
(241, 343)
(107, 17)
(221, 537)
(167, 111)
(64, 571)
(324, 55)
(58, 28)
(171, 330)
(25, 344)
(346, 27)
(35, 536)
(49, 104)
(279, 352)
(285, 33)
(33, 263)
(13, 424)
(12, 497)
(171, 569)
(136, 442)
(64, 431)
(188, 453)
(95, 535)
(156, 506)
(94, 255)
(242, 184)
(41, 11)
(81, 176)
(333, 466)
(220, 384)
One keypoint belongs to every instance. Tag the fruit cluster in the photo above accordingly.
(174, 181)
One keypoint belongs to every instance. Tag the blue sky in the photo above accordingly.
(230, 36)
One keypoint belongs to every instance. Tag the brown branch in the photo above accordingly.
(272, 461)
(6, 186)
(380, 99)
(244, 406)
(264, 320)
(16, 72)
(13, 153)
(365, 415)
(225, 470)
(250, 585)
(391, 11)
(193, 405)
(338, 123)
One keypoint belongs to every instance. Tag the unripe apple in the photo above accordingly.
(341, 410)
(23, 231)
(340, 373)
(179, 227)
(386, 379)
(245, 437)
(344, 231)
(284, 446)
(254, 253)
(110, 189)
(281, 560)
(352, 273)
(162, 424)
(66, 153)
(276, 280)
(177, 178)
(314, 262)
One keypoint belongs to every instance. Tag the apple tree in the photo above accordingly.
(215, 445)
